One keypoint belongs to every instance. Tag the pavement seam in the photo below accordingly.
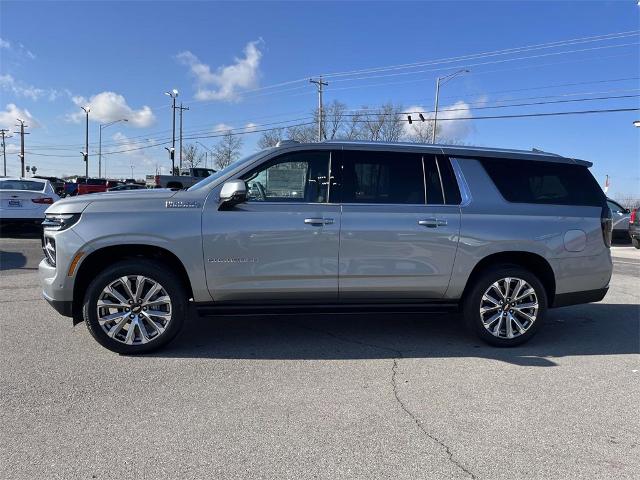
(394, 371)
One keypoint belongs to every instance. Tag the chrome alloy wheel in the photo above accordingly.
(508, 308)
(134, 310)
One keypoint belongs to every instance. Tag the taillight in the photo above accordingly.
(606, 223)
(43, 200)
(634, 213)
(157, 180)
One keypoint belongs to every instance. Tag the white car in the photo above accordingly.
(24, 200)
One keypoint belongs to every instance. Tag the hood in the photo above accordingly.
(79, 203)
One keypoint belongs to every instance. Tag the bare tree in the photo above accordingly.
(420, 132)
(192, 156)
(227, 150)
(270, 138)
(352, 129)
(333, 120)
(303, 133)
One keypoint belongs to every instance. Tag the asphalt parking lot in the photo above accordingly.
(345, 396)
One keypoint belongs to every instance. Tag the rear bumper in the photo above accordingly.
(576, 298)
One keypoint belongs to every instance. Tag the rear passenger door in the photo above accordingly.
(399, 228)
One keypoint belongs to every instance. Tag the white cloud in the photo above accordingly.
(449, 129)
(110, 106)
(9, 117)
(251, 127)
(229, 81)
(144, 160)
(221, 127)
(20, 89)
(20, 50)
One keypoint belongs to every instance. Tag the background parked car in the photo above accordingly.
(634, 227)
(620, 216)
(126, 187)
(56, 183)
(92, 185)
(25, 200)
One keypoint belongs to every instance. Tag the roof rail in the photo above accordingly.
(283, 143)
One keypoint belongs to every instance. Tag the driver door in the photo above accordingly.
(280, 245)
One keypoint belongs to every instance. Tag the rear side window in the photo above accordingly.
(524, 181)
(440, 181)
(382, 177)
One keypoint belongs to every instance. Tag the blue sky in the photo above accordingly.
(122, 57)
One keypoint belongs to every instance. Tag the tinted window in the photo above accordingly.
(382, 177)
(21, 185)
(293, 177)
(616, 207)
(526, 181)
(449, 182)
(432, 179)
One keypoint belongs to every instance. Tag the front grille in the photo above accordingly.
(49, 249)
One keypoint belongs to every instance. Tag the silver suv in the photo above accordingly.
(501, 235)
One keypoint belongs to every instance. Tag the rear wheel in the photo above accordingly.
(635, 242)
(135, 306)
(506, 306)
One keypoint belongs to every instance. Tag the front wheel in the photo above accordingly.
(135, 306)
(635, 242)
(505, 306)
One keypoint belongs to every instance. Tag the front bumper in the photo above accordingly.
(63, 307)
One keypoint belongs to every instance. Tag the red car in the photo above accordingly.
(92, 185)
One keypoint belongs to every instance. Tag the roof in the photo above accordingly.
(453, 150)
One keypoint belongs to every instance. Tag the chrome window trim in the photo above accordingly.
(465, 192)
(444, 196)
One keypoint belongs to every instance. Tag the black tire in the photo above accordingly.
(472, 302)
(154, 271)
(635, 242)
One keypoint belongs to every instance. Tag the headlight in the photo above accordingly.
(60, 221)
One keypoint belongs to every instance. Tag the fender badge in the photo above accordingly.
(181, 204)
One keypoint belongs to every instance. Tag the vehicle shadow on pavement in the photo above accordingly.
(12, 260)
(594, 329)
(20, 231)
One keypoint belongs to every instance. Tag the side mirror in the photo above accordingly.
(232, 193)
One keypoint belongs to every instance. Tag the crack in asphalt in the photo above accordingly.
(394, 384)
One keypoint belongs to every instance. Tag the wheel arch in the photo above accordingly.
(533, 262)
(105, 256)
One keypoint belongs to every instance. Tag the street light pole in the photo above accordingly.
(104, 125)
(4, 132)
(442, 81)
(86, 143)
(173, 94)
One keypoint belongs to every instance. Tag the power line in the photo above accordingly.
(492, 62)
(611, 36)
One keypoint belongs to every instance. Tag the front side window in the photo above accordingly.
(382, 177)
(292, 177)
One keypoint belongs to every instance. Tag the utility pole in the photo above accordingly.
(172, 151)
(85, 154)
(319, 83)
(207, 150)
(22, 134)
(181, 108)
(4, 132)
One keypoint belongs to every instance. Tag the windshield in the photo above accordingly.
(220, 173)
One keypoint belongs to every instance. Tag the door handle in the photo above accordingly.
(318, 221)
(432, 222)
